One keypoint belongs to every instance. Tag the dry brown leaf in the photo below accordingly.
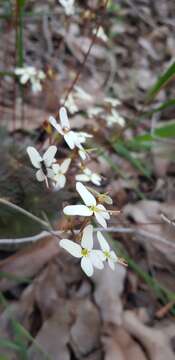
(28, 262)
(149, 212)
(155, 341)
(108, 289)
(119, 345)
(53, 336)
(85, 332)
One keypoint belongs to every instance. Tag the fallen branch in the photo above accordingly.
(31, 239)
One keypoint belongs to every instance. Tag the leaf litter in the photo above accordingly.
(64, 315)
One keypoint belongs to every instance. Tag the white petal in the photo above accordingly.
(50, 173)
(56, 168)
(87, 266)
(80, 210)
(65, 165)
(60, 181)
(87, 197)
(73, 248)
(100, 254)
(49, 155)
(104, 212)
(82, 177)
(69, 139)
(113, 256)
(82, 154)
(40, 175)
(100, 219)
(87, 238)
(34, 156)
(95, 259)
(57, 126)
(103, 243)
(64, 118)
(111, 264)
(24, 78)
(96, 179)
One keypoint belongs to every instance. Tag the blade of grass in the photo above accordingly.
(122, 150)
(161, 82)
(162, 293)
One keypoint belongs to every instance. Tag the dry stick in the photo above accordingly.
(85, 58)
(121, 230)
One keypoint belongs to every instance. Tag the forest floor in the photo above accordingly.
(48, 308)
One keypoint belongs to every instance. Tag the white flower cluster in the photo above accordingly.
(68, 6)
(49, 170)
(90, 257)
(32, 75)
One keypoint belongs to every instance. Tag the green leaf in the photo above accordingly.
(122, 150)
(161, 82)
(163, 106)
(5, 343)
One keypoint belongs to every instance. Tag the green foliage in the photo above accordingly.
(147, 140)
(162, 293)
(121, 148)
(161, 82)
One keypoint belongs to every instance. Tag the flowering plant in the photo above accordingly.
(54, 174)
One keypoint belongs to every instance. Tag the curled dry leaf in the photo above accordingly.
(53, 336)
(108, 289)
(85, 332)
(157, 342)
(37, 254)
(159, 235)
(118, 344)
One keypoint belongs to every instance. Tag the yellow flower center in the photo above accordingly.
(84, 252)
(107, 254)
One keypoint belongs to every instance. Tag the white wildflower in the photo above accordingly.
(31, 74)
(90, 208)
(107, 253)
(101, 34)
(89, 258)
(43, 163)
(82, 94)
(114, 118)
(94, 111)
(113, 102)
(59, 178)
(72, 138)
(68, 6)
(89, 176)
(70, 104)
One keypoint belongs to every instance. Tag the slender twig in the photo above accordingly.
(81, 67)
(139, 232)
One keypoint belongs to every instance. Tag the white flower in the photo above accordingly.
(44, 163)
(59, 178)
(68, 6)
(90, 208)
(101, 34)
(82, 153)
(70, 104)
(31, 74)
(112, 101)
(114, 118)
(106, 253)
(89, 258)
(94, 111)
(88, 175)
(81, 94)
(72, 138)
(83, 136)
